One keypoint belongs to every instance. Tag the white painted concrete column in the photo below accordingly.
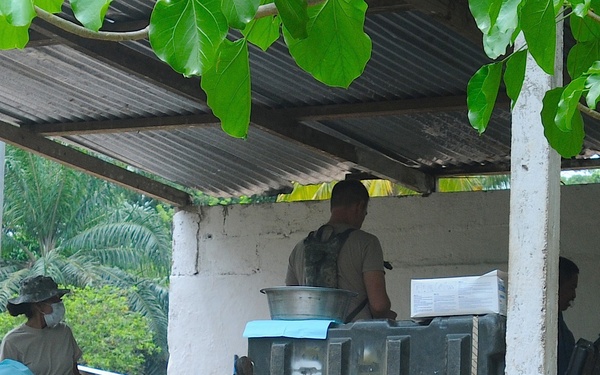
(534, 224)
(182, 312)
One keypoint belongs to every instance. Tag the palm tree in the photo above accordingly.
(82, 231)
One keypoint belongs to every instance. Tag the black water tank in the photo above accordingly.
(457, 345)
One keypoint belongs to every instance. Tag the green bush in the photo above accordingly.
(112, 337)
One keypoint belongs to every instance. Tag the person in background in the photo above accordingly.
(360, 259)
(568, 277)
(43, 344)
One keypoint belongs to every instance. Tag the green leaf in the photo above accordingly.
(90, 12)
(227, 87)
(539, 27)
(580, 7)
(337, 49)
(582, 56)
(51, 6)
(500, 35)
(567, 144)
(495, 43)
(584, 29)
(294, 15)
(568, 103)
(16, 13)
(263, 32)
(239, 12)
(485, 13)
(13, 36)
(515, 75)
(186, 34)
(482, 91)
(592, 84)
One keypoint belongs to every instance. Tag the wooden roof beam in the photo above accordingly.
(88, 164)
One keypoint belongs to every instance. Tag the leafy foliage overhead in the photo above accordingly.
(501, 21)
(326, 38)
(327, 41)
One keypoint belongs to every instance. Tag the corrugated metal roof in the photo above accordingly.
(414, 57)
(209, 160)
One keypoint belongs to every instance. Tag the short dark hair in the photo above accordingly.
(348, 192)
(566, 269)
(23, 308)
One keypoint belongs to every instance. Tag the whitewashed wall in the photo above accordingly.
(223, 256)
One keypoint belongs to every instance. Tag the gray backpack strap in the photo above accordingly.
(355, 312)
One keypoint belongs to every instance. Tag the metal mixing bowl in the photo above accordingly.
(307, 302)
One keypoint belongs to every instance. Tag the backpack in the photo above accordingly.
(321, 249)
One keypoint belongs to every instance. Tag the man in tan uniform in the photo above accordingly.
(360, 260)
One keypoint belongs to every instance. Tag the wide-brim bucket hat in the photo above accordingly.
(36, 289)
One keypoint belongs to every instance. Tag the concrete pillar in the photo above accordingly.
(534, 224)
(182, 310)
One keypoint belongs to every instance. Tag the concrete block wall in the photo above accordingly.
(223, 256)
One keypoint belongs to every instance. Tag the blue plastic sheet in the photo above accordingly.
(302, 329)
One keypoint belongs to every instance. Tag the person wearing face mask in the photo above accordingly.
(43, 343)
(568, 277)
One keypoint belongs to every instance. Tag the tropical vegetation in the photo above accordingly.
(501, 22)
(85, 232)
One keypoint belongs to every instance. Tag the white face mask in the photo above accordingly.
(56, 316)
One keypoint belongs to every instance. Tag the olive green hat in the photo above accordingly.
(36, 289)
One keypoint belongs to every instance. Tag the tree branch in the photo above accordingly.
(590, 112)
(116, 36)
(593, 16)
(87, 33)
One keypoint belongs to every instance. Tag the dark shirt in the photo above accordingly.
(566, 344)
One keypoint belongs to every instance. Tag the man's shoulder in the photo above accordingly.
(364, 236)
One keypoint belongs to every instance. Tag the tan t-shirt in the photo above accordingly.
(48, 351)
(361, 253)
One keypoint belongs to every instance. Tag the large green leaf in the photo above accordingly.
(582, 56)
(515, 75)
(90, 12)
(584, 29)
(539, 27)
(499, 36)
(495, 43)
(239, 12)
(592, 84)
(482, 91)
(16, 13)
(263, 32)
(568, 102)
(51, 6)
(337, 49)
(186, 34)
(13, 36)
(294, 15)
(485, 13)
(567, 144)
(227, 87)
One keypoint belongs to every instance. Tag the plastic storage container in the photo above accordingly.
(457, 345)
